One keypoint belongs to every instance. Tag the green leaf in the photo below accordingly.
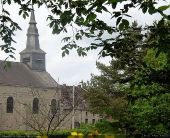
(51, 24)
(84, 53)
(117, 14)
(163, 8)
(104, 8)
(65, 39)
(144, 9)
(6, 12)
(11, 56)
(20, 12)
(124, 24)
(66, 17)
(67, 51)
(63, 54)
(56, 30)
(91, 16)
(151, 10)
(120, 26)
(114, 4)
(78, 11)
(24, 16)
(103, 54)
(9, 2)
(66, 5)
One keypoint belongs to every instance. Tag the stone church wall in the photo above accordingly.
(23, 117)
(23, 100)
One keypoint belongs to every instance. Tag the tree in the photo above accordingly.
(46, 114)
(106, 93)
(83, 16)
(145, 83)
(103, 93)
(149, 94)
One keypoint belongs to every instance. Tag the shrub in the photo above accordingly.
(105, 127)
(64, 132)
(18, 134)
(85, 128)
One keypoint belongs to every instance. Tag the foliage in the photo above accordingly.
(106, 127)
(106, 93)
(18, 133)
(149, 93)
(33, 134)
(86, 128)
(143, 66)
(103, 95)
(145, 84)
(83, 16)
(62, 132)
(26, 134)
(101, 129)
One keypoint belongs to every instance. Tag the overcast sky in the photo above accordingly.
(71, 69)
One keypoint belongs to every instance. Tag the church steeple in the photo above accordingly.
(32, 34)
(32, 19)
(33, 56)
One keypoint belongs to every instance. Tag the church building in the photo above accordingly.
(30, 99)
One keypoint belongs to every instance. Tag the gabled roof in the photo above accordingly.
(21, 75)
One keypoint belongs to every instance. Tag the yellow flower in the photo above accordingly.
(80, 134)
(74, 133)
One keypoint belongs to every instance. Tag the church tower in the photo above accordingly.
(32, 55)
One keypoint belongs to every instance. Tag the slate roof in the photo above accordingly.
(20, 74)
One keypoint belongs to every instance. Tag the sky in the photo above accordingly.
(71, 69)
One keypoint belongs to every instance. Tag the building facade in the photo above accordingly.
(30, 99)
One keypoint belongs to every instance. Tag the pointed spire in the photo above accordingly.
(32, 55)
(32, 18)
(32, 34)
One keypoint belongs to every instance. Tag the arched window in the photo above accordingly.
(53, 106)
(35, 106)
(10, 105)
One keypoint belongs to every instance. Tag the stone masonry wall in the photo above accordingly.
(23, 118)
(23, 99)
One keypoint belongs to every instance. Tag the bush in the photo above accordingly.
(103, 127)
(33, 134)
(85, 128)
(18, 134)
(106, 127)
